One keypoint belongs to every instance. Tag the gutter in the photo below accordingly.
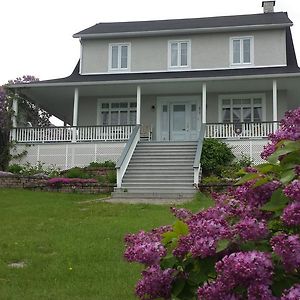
(163, 32)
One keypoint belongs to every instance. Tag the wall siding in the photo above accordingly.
(207, 51)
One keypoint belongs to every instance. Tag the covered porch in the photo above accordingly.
(166, 109)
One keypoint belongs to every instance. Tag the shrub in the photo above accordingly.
(16, 169)
(215, 155)
(112, 177)
(30, 170)
(245, 246)
(106, 164)
(76, 173)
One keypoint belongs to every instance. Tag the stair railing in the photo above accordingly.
(197, 164)
(126, 154)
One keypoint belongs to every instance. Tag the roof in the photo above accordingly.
(217, 23)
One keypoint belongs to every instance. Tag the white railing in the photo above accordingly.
(240, 130)
(71, 134)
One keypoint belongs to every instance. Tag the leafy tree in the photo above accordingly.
(27, 112)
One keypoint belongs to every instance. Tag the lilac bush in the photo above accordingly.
(245, 246)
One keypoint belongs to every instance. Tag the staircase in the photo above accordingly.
(161, 170)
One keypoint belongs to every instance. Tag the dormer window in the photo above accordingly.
(179, 54)
(241, 51)
(119, 55)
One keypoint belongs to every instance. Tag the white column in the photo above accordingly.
(275, 109)
(138, 105)
(75, 113)
(203, 103)
(14, 118)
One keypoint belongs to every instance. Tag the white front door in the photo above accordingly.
(178, 120)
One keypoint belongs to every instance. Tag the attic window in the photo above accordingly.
(119, 55)
(241, 51)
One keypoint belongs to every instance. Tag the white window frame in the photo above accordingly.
(118, 109)
(241, 63)
(119, 69)
(179, 66)
(242, 96)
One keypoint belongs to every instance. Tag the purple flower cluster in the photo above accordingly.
(24, 79)
(155, 283)
(205, 229)
(251, 229)
(291, 214)
(292, 294)
(251, 270)
(287, 247)
(144, 247)
(289, 130)
(181, 213)
(293, 190)
(75, 181)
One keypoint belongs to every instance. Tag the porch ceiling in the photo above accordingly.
(58, 100)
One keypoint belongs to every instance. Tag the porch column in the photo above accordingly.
(75, 113)
(204, 103)
(138, 105)
(14, 117)
(275, 109)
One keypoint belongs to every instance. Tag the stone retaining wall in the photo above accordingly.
(34, 183)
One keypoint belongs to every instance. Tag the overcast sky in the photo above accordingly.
(36, 35)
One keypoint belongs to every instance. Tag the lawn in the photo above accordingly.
(72, 248)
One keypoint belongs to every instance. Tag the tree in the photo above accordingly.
(27, 112)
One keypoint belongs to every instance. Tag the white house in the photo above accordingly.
(144, 93)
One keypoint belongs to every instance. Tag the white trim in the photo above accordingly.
(159, 80)
(198, 69)
(243, 95)
(189, 52)
(75, 107)
(138, 105)
(119, 69)
(80, 58)
(204, 97)
(241, 64)
(275, 104)
(182, 31)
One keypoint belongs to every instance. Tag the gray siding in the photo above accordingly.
(208, 51)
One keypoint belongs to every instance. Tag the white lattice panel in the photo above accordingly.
(68, 155)
(251, 148)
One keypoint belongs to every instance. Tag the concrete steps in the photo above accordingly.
(159, 170)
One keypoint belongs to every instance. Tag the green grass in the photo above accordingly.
(73, 248)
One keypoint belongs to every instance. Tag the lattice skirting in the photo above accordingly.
(251, 148)
(68, 155)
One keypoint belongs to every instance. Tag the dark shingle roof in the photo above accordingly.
(279, 18)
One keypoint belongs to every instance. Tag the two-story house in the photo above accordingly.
(144, 94)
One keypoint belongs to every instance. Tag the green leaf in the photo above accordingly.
(169, 237)
(168, 262)
(180, 228)
(248, 177)
(287, 176)
(287, 147)
(222, 245)
(277, 202)
(266, 168)
(260, 182)
(178, 286)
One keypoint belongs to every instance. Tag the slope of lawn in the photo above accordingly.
(72, 248)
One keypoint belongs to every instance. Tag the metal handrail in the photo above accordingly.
(197, 164)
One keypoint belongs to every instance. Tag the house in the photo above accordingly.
(146, 93)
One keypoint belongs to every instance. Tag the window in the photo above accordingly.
(241, 51)
(241, 108)
(119, 55)
(179, 54)
(118, 112)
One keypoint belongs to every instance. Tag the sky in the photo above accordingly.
(37, 35)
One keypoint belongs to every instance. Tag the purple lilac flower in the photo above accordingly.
(155, 283)
(252, 270)
(291, 214)
(74, 181)
(251, 229)
(289, 130)
(181, 213)
(297, 170)
(250, 170)
(293, 190)
(292, 294)
(287, 247)
(144, 247)
(205, 229)
(260, 292)
(162, 229)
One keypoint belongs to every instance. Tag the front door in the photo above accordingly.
(179, 121)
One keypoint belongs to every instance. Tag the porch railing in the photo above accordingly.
(240, 130)
(71, 134)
